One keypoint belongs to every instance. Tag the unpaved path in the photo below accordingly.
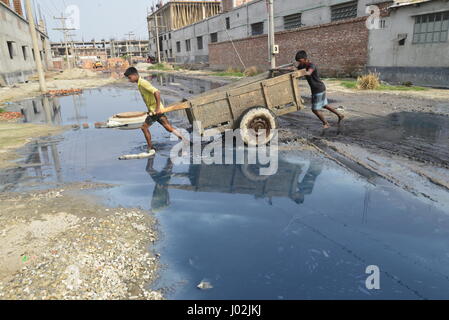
(401, 136)
(60, 244)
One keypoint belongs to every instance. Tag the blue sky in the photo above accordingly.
(99, 18)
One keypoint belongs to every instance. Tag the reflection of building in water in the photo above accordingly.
(43, 152)
(35, 110)
(291, 180)
(42, 156)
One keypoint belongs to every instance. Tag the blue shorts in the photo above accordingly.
(319, 101)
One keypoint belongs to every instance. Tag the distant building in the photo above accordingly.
(175, 15)
(17, 61)
(100, 50)
(412, 43)
(409, 41)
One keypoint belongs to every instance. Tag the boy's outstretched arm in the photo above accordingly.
(157, 96)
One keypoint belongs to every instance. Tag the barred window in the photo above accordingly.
(431, 28)
(178, 46)
(292, 21)
(257, 28)
(188, 48)
(214, 37)
(344, 11)
(199, 41)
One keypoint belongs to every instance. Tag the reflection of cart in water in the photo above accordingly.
(293, 181)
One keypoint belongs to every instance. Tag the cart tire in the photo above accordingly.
(254, 123)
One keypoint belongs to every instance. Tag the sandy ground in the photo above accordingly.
(59, 244)
(14, 135)
(71, 79)
(390, 134)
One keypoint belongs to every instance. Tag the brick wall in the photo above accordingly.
(338, 48)
(18, 7)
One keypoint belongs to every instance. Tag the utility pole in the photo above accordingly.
(127, 42)
(157, 39)
(64, 30)
(37, 56)
(271, 43)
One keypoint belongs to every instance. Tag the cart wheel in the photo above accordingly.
(258, 126)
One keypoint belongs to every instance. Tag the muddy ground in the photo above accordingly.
(400, 136)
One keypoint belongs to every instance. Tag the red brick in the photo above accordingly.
(338, 48)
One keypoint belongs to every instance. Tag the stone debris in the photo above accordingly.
(95, 253)
(205, 285)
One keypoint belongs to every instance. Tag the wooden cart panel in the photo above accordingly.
(222, 109)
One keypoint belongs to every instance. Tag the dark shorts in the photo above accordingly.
(156, 118)
(319, 101)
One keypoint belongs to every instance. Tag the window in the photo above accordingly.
(178, 46)
(292, 21)
(199, 41)
(10, 49)
(34, 57)
(431, 28)
(24, 51)
(344, 11)
(169, 36)
(257, 28)
(228, 23)
(214, 37)
(188, 45)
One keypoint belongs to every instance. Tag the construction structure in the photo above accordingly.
(404, 40)
(17, 56)
(174, 15)
(102, 50)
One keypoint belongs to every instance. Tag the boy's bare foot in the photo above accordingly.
(326, 126)
(340, 118)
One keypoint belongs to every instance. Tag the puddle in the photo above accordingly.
(425, 126)
(307, 232)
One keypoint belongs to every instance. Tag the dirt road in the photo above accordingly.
(402, 136)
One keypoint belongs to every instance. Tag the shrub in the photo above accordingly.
(251, 71)
(369, 81)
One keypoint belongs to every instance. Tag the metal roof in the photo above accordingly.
(403, 3)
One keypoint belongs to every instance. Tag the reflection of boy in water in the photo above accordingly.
(305, 187)
(161, 196)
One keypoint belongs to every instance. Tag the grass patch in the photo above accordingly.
(160, 66)
(352, 84)
(2, 110)
(229, 74)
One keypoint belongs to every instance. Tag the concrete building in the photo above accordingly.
(242, 19)
(412, 43)
(102, 49)
(17, 61)
(408, 44)
(175, 15)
